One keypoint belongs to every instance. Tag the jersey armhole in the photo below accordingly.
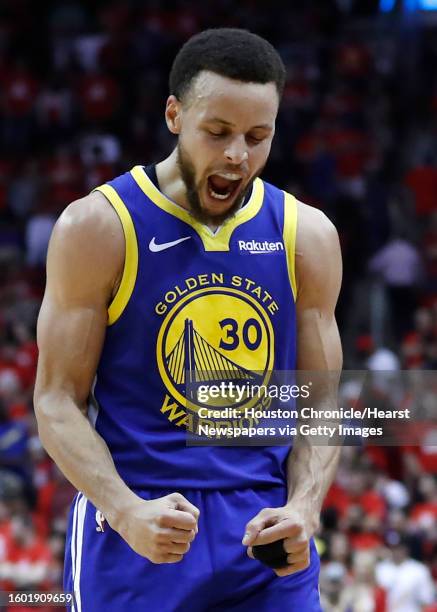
(289, 235)
(130, 268)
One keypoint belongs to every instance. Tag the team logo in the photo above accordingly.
(212, 335)
(100, 520)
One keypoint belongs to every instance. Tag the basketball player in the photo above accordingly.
(195, 258)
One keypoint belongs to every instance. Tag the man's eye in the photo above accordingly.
(216, 134)
(254, 139)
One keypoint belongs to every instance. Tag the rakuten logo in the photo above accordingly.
(257, 248)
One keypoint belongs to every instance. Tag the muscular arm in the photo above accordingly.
(85, 259)
(311, 467)
(85, 262)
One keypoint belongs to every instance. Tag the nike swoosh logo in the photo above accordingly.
(157, 248)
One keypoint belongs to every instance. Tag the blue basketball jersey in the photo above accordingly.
(191, 303)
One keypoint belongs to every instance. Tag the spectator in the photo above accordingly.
(14, 456)
(54, 111)
(19, 91)
(399, 266)
(363, 594)
(408, 582)
(333, 577)
(26, 564)
(38, 232)
(99, 98)
(23, 190)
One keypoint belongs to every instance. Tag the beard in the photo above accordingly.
(187, 172)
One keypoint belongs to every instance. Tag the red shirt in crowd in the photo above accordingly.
(99, 97)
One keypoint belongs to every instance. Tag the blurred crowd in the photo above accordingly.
(82, 94)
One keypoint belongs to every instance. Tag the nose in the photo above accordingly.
(236, 151)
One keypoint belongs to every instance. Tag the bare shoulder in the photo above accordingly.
(87, 242)
(318, 255)
(314, 230)
(90, 217)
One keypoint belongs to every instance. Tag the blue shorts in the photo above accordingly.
(216, 574)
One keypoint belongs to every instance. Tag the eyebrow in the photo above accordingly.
(264, 126)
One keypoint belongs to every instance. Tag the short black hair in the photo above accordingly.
(230, 52)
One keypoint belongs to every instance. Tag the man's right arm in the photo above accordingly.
(84, 264)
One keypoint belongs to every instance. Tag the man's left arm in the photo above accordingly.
(311, 467)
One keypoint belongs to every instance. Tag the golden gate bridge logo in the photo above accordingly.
(193, 360)
(210, 337)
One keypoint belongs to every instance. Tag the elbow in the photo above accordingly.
(43, 417)
(50, 416)
(41, 406)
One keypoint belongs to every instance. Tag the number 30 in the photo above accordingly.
(232, 339)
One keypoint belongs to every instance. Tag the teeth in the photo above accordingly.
(230, 176)
(218, 196)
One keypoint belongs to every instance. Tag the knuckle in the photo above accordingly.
(154, 528)
(192, 521)
(191, 536)
(163, 519)
(160, 538)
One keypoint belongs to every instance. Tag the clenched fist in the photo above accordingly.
(274, 524)
(159, 529)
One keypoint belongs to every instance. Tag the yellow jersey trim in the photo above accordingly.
(212, 241)
(289, 234)
(130, 269)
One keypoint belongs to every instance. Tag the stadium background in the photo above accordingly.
(82, 93)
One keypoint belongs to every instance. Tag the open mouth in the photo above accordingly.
(223, 185)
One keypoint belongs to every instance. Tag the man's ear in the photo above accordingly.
(173, 110)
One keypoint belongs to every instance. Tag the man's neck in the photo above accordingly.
(170, 180)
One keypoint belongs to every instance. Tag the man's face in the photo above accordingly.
(399, 553)
(225, 130)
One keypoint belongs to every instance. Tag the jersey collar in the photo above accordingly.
(212, 241)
